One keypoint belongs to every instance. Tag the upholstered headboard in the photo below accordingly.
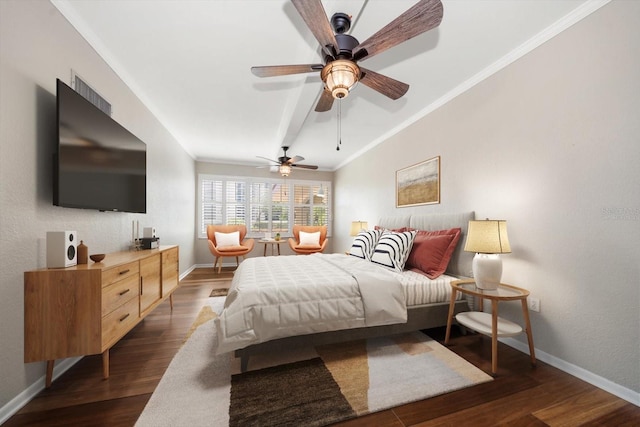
(460, 264)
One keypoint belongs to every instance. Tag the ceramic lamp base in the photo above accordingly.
(487, 270)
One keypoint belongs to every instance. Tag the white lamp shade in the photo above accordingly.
(358, 226)
(488, 237)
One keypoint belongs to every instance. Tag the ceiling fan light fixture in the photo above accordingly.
(339, 77)
(284, 170)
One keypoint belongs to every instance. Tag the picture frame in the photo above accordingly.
(418, 184)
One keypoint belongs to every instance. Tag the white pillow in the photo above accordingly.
(392, 250)
(364, 243)
(227, 239)
(309, 239)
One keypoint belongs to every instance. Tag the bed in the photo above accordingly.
(290, 301)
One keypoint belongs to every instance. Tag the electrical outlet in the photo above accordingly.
(534, 304)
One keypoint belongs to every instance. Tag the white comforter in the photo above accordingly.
(276, 297)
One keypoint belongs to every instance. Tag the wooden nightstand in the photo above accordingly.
(490, 324)
(273, 243)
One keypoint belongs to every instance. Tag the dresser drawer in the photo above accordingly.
(119, 322)
(170, 258)
(118, 293)
(120, 272)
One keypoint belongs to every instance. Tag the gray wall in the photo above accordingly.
(37, 45)
(550, 144)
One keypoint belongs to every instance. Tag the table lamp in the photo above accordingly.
(358, 226)
(488, 239)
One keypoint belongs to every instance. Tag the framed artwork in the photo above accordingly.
(418, 184)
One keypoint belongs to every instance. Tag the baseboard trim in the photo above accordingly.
(189, 270)
(18, 402)
(578, 372)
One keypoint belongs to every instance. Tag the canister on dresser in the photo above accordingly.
(83, 253)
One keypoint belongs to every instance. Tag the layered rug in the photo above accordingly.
(311, 386)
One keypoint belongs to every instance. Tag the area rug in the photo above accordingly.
(222, 292)
(311, 386)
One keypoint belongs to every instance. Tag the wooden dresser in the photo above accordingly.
(86, 309)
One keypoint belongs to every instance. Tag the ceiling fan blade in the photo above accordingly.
(387, 86)
(325, 102)
(315, 17)
(314, 167)
(283, 70)
(271, 160)
(296, 159)
(421, 17)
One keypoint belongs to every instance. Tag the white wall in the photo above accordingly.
(37, 45)
(550, 144)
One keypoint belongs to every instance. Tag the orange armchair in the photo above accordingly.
(305, 247)
(223, 249)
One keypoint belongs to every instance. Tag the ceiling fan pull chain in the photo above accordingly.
(339, 143)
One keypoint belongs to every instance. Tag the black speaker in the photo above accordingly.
(61, 249)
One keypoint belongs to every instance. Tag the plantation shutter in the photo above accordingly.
(259, 207)
(211, 204)
(262, 205)
(309, 208)
(235, 202)
(280, 208)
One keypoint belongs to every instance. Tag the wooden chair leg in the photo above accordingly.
(218, 259)
(237, 262)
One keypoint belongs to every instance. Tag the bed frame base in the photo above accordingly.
(418, 318)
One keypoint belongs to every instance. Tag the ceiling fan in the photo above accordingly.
(342, 52)
(285, 163)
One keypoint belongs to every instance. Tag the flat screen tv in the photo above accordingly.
(98, 163)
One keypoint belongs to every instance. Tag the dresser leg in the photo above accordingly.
(49, 376)
(171, 301)
(105, 364)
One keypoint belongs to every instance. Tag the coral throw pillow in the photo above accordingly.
(432, 251)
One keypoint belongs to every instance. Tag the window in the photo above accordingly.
(272, 206)
(309, 208)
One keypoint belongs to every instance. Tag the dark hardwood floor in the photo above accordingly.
(520, 394)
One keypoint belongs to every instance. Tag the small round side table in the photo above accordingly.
(274, 243)
(491, 324)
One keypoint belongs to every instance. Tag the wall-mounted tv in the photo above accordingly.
(98, 163)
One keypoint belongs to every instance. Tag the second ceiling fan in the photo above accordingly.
(285, 163)
(342, 52)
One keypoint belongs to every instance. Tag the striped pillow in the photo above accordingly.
(392, 250)
(364, 243)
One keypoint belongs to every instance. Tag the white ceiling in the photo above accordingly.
(189, 62)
